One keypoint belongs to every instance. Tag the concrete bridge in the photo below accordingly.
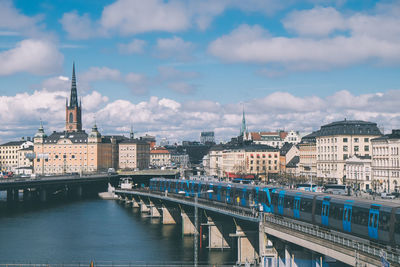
(42, 187)
(261, 239)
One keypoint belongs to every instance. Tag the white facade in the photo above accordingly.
(386, 162)
(359, 172)
(292, 137)
(308, 159)
(11, 157)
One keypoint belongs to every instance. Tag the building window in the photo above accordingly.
(366, 148)
(345, 140)
(345, 148)
(356, 140)
(366, 139)
(356, 148)
(345, 156)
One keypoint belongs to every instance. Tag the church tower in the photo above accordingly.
(73, 117)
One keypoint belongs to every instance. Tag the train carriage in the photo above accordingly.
(378, 221)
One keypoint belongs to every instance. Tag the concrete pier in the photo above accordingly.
(188, 227)
(143, 207)
(154, 213)
(247, 251)
(216, 238)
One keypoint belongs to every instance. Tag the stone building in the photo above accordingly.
(339, 141)
(134, 154)
(73, 150)
(13, 155)
(160, 157)
(359, 172)
(308, 156)
(386, 162)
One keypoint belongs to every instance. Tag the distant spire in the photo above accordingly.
(243, 129)
(132, 135)
(73, 102)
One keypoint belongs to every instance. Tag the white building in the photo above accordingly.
(385, 162)
(160, 157)
(359, 172)
(12, 155)
(292, 137)
(339, 141)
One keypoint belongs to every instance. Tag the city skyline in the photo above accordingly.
(190, 67)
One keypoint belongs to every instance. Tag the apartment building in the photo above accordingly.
(134, 154)
(385, 162)
(338, 141)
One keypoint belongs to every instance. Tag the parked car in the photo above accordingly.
(388, 196)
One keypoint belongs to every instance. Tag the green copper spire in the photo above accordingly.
(243, 129)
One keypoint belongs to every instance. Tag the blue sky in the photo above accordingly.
(175, 68)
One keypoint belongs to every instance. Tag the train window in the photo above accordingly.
(397, 224)
(384, 218)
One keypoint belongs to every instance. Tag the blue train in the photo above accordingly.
(378, 221)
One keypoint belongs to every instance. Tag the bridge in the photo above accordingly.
(260, 238)
(42, 187)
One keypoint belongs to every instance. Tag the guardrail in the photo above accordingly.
(216, 206)
(370, 249)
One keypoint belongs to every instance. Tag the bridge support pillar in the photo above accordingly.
(26, 195)
(79, 191)
(268, 252)
(143, 207)
(16, 195)
(135, 204)
(188, 227)
(246, 245)
(316, 259)
(42, 195)
(153, 210)
(167, 217)
(10, 195)
(216, 238)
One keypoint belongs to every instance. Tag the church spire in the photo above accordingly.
(243, 128)
(73, 102)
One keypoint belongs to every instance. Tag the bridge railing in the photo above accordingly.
(241, 211)
(370, 249)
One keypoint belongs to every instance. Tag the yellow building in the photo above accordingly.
(73, 150)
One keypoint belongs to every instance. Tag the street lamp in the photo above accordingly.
(196, 223)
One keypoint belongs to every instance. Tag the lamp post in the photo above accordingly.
(196, 224)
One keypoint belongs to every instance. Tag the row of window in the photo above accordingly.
(345, 140)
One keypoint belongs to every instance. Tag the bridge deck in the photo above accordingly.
(230, 210)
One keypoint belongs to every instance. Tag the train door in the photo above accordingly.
(256, 196)
(219, 193)
(210, 187)
(244, 191)
(228, 194)
(281, 201)
(296, 208)
(347, 212)
(325, 211)
(373, 221)
(267, 203)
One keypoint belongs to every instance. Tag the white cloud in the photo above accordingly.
(59, 83)
(182, 87)
(135, 81)
(135, 16)
(167, 73)
(174, 47)
(16, 23)
(254, 44)
(80, 27)
(31, 55)
(179, 121)
(319, 21)
(134, 47)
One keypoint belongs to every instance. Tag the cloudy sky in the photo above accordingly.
(176, 68)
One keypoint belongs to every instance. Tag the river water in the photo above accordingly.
(78, 232)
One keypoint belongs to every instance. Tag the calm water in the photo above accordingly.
(97, 230)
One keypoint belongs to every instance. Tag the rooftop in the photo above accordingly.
(349, 127)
